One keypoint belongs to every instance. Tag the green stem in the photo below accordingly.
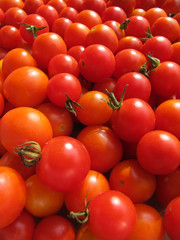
(124, 24)
(32, 29)
(148, 34)
(69, 105)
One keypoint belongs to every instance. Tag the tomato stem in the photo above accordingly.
(32, 29)
(124, 24)
(69, 105)
(29, 152)
(153, 60)
(148, 34)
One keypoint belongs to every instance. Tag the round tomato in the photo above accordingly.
(154, 13)
(13, 16)
(89, 18)
(114, 13)
(5, 5)
(70, 13)
(59, 26)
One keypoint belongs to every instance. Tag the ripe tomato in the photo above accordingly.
(96, 63)
(61, 119)
(30, 6)
(54, 227)
(59, 26)
(42, 201)
(149, 224)
(115, 207)
(14, 161)
(171, 219)
(13, 193)
(84, 232)
(131, 179)
(57, 4)
(109, 84)
(23, 124)
(94, 184)
(138, 11)
(127, 5)
(114, 13)
(129, 42)
(61, 85)
(165, 80)
(70, 13)
(139, 86)
(145, 4)
(104, 147)
(21, 228)
(154, 13)
(116, 27)
(16, 58)
(128, 60)
(75, 52)
(94, 109)
(68, 173)
(46, 46)
(176, 52)
(77, 4)
(167, 116)
(104, 35)
(26, 86)
(5, 5)
(158, 152)
(95, 5)
(89, 18)
(13, 16)
(133, 119)
(168, 187)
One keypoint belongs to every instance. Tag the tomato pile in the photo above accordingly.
(89, 119)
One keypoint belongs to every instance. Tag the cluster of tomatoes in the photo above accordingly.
(90, 119)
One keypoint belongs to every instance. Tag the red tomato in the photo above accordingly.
(84, 232)
(114, 13)
(112, 207)
(128, 60)
(127, 5)
(34, 20)
(63, 63)
(96, 63)
(61, 85)
(139, 86)
(16, 58)
(129, 42)
(95, 5)
(54, 227)
(13, 16)
(104, 147)
(23, 124)
(145, 4)
(76, 52)
(175, 52)
(5, 5)
(116, 27)
(68, 173)
(13, 193)
(57, 4)
(89, 18)
(77, 4)
(94, 184)
(109, 84)
(30, 6)
(20, 229)
(131, 179)
(61, 119)
(149, 224)
(59, 26)
(133, 119)
(138, 12)
(104, 35)
(154, 13)
(70, 13)
(171, 219)
(46, 46)
(26, 86)
(94, 110)
(168, 187)
(158, 152)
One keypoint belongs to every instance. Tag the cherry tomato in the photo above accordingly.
(54, 227)
(59, 26)
(75, 52)
(89, 18)
(104, 147)
(96, 63)
(104, 35)
(133, 119)
(109, 84)
(158, 152)
(66, 174)
(21, 228)
(13, 16)
(95, 5)
(26, 86)
(115, 207)
(13, 193)
(5, 5)
(94, 110)
(61, 119)
(131, 179)
(147, 4)
(175, 53)
(61, 86)
(94, 184)
(114, 13)
(57, 4)
(126, 5)
(23, 124)
(70, 13)
(84, 232)
(31, 6)
(129, 42)
(149, 224)
(171, 219)
(154, 13)
(116, 27)
(138, 12)
(46, 46)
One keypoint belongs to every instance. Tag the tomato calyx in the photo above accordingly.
(148, 34)
(113, 102)
(29, 152)
(154, 63)
(124, 24)
(69, 105)
(82, 216)
(32, 29)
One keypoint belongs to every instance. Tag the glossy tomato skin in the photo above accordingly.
(13, 16)
(112, 206)
(114, 13)
(59, 26)
(149, 223)
(104, 147)
(171, 219)
(134, 119)
(89, 18)
(154, 13)
(131, 179)
(13, 191)
(129, 42)
(96, 63)
(84, 232)
(23, 124)
(127, 5)
(46, 46)
(94, 183)
(158, 152)
(64, 163)
(54, 227)
(5, 5)
(176, 52)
